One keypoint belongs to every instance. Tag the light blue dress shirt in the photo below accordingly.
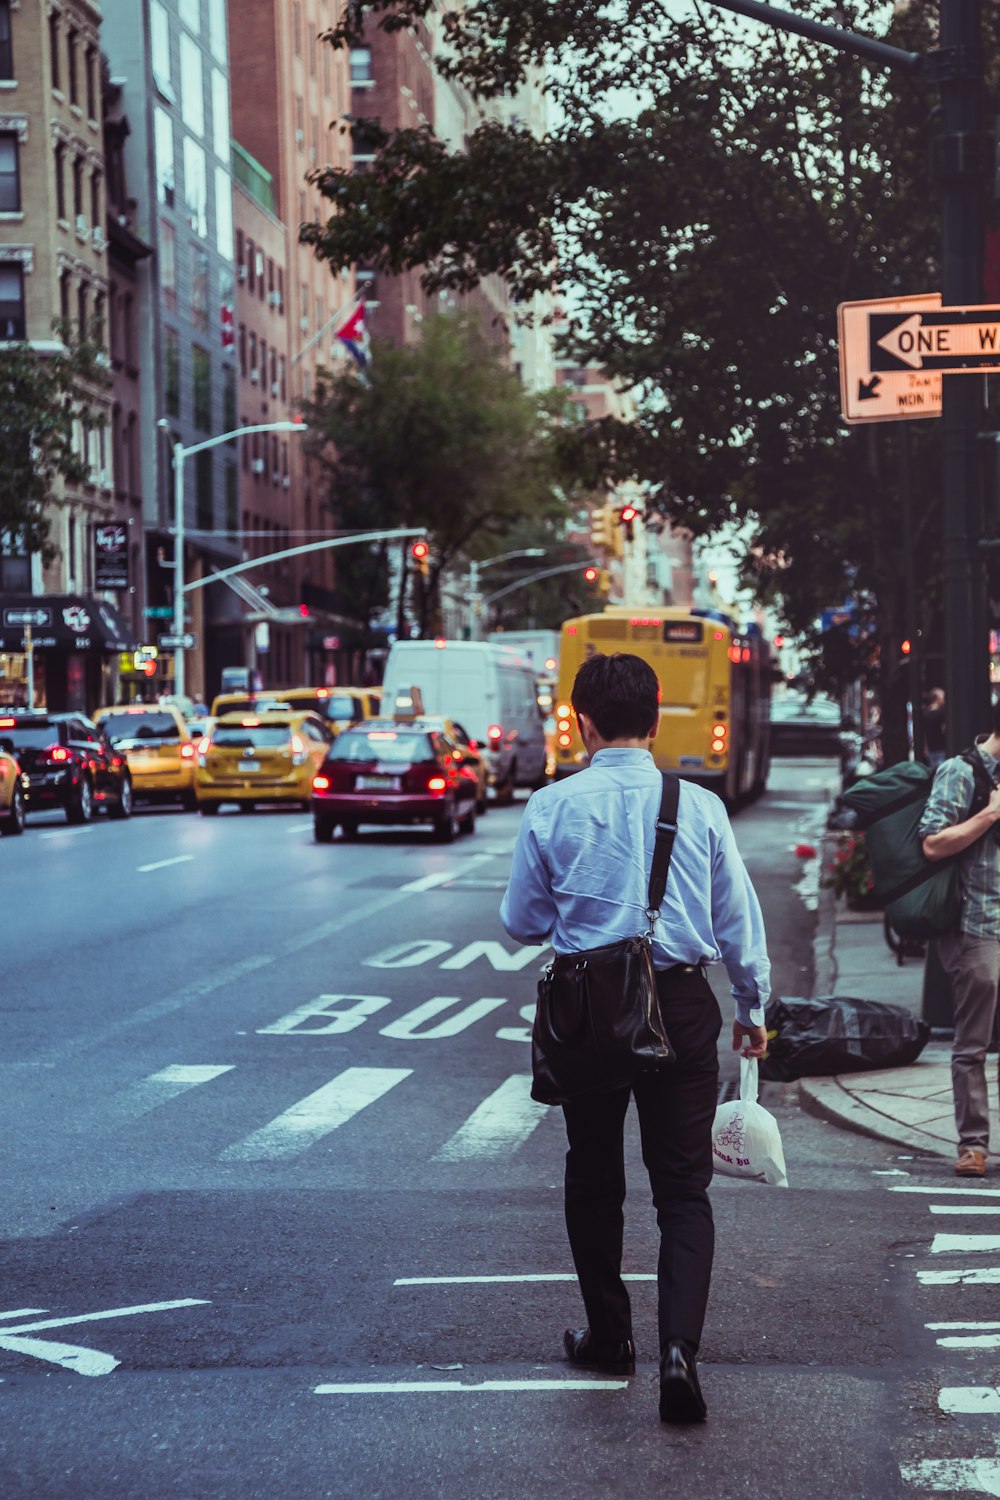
(581, 866)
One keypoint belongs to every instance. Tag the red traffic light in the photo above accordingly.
(779, 640)
(419, 550)
(906, 648)
(590, 574)
(628, 513)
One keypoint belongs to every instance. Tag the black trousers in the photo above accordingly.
(676, 1106)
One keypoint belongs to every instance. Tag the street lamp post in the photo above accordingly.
(179, 454)
(475, 568)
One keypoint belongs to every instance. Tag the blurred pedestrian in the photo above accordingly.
(934, 726)
(580, 879)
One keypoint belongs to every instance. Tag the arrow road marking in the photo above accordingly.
(71, 1356)
(912, 341)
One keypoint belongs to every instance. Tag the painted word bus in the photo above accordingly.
(715, 693)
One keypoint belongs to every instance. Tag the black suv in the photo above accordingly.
(68, 762)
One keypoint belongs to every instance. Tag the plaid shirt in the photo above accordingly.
(979, 865)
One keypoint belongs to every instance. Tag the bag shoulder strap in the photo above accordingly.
(666, 832)
(982, 782)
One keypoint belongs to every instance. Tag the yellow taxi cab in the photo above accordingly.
(160, 752)
(12, 810)
(249, 758)
(337, 706)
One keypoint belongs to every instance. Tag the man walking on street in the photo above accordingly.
(579, 879)
(970, 955)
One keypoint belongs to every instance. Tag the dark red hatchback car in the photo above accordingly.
(388, 772)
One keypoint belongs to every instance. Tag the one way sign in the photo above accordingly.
(880, 389)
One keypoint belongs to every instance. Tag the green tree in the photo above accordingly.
(44, 394)
(440, 435)
(712, 190)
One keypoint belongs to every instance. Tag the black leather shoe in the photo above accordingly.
(614, 1359)
(680, 1394)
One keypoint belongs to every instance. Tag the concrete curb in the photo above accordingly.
(827, 1099)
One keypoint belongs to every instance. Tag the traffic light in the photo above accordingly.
(420, 552)
(627, 517)
(602, 529)
(591, 574)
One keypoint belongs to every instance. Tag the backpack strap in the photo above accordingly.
(982, 782)
(666, 832)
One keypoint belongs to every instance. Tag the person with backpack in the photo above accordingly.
(958, 825)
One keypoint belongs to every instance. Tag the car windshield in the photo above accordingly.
(251, 736)
(151, 726)
(340, 708)
(31, 736)
(384, 745)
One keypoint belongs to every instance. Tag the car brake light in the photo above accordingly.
(321, 783)
(494, 733)
(250, 723)
(8, 723)
(436, 784)
(57, 752)
(187, 751)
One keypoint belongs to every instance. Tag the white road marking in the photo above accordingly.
(938, 1326)
(65, 833)
(942, 1192)
(300, 828)
(428, 882)
(970, 1276)
(498, 1126)
(953, 1474)
(971, 1341)
(161, 864)
(969, 1400)
(169, 1082)
(504, 1280)
(964, 1244)
(24, 1312)
(406, 1028)
(316, 1115)
(71, 1356)
(409, 1387)
(965, 1208)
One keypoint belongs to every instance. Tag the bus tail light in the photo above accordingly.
(719, 736)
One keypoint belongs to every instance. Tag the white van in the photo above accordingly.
(487, 689)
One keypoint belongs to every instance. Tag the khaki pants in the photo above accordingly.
(973, 966)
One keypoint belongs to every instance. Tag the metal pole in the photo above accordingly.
(910, 624)
(960, 173)
(473, 600)
(178, 566)
(29, 651)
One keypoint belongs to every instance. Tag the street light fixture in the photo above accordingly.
(179, 454)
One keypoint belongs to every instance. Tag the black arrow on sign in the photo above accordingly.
(868, 389)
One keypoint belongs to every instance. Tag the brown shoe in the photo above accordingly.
(971, 1162)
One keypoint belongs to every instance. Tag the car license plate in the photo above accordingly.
(249, 765)
(375, 784)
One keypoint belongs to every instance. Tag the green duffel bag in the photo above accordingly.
(921, 897)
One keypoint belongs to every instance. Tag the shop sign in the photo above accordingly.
(111, 556)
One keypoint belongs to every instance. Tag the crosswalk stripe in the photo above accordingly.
(969, 1400)
(982, 1209)
(964, 1244)
(498, 1126)
(316, 1115)
(967, 1275)
(954, 1474)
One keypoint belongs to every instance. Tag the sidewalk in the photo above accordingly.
(912, 1106)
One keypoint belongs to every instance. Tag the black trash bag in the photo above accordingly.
(836, 1034)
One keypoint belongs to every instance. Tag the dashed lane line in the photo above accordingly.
(162, 864)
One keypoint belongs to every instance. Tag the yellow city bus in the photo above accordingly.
(715, 693)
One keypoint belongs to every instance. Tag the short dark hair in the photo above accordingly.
(620, 693)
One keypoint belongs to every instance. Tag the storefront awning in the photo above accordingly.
(64, 622)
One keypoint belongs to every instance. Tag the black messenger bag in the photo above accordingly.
(597, 1022)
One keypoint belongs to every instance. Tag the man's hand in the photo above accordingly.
(753, 1040)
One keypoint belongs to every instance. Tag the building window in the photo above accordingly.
(254, 371)
(89, 73)
(361, 67)
(223, 213)
(159, 42)
(281, 289)
(228, 399)
(81, 310)
(297, 27)
(163, 138)
(99, 333)
(64, 302)
(202, 375)
(192, 85)
(220, 115)
(172, 372)
(60, 161)
(72, 47)
(96, 215)
(217, 28)
(203, 490)
(168, 265)
(12, 321)
(199, 291)
(6, 43)
(54, 69)
(195, 187)
(242, 343)
(10, 174)
(78, 186)
(190, 14)
(281, 375)
(250, 265)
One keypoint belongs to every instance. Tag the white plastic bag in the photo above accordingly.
(745, 1138)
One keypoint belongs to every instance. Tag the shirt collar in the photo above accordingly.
(621, 755)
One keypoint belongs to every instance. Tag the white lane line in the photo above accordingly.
(300, 828)
(428, 882)
(943, 1192)
(316, 1115)
(965, 1244)
(65, 833)
(110, 1312)
(409, 1387)
(969, 1400)
(965, 1208)
(968, 1276)
(161, 864)
(498, 1126)
(24, 1312)
(169, 1082)
(954, 1474)
(507, 1280)
(69, 1356)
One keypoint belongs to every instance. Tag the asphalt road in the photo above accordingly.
(280, 1220)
